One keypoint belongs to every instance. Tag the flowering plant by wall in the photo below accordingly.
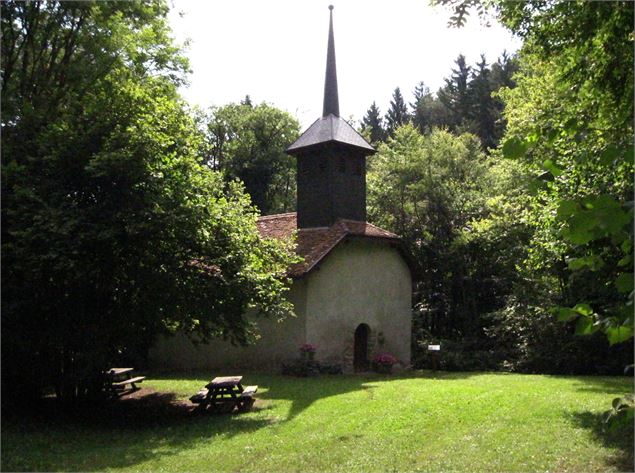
(384, 359)
(308, 348)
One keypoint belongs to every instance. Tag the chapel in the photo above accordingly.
(352, 291)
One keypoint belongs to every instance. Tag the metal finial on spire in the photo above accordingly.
(331, 100)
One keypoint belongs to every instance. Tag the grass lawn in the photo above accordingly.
(412, 422)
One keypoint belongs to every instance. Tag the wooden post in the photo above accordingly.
(433, 352)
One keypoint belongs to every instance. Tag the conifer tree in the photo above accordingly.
(421, 91)
(372, 124)
(454, 95)
(427, 110)
(482, 113)
(398, 113)
(502, 76)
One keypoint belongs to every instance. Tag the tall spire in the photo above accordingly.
(331, 101)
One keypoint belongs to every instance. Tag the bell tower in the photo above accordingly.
(331, 160)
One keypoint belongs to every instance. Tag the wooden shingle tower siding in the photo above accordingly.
(331, 161)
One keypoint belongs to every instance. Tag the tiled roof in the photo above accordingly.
(330, 129)
(313, 244)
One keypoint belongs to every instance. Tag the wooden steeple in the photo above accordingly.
(331, 160)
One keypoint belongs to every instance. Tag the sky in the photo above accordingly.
(275, 51)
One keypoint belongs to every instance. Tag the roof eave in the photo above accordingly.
(303, 149)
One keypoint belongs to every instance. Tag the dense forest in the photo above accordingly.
(125, 210)
(512, 189)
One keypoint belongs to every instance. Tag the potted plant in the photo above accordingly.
(382, 363)
(307, 352)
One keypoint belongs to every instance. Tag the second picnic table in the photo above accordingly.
(119, 378)
(224, 393)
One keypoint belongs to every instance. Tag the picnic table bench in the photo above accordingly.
(119, 378)
(224, 394)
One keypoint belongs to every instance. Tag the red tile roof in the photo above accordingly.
(313, 244)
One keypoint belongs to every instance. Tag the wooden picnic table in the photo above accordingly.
(224, 394)
(119, 378)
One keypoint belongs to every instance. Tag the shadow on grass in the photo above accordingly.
(303, 392)
(617, 437)
(614, 385)
(148, 424)
(115, 434)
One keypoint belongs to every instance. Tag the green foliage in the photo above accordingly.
(397, 114)
(467, 223)
(622, 412)
(112, 231)
(455, 95)
(528, 338)
(428, 112)
(468, 102)
(372, 125)
(248, 143)
(446, 200)
(570, 117)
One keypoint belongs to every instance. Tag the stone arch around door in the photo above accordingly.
(361, 348)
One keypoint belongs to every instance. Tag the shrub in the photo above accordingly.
(308, 348)
(385, 359)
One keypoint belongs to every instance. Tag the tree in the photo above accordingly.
(483, 111)
(465, 221)
(427, 111)
(248, 143)
(397, 114)
(455, 94)
(372, 124)
(421, 92)
(584, 142)
(573, 121)
(430, 190)
(502, 74)
(112, 232)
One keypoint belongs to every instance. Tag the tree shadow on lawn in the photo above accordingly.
(610, 385)
(303, 392)
(619, 438)
(147, 424)
(116, 434)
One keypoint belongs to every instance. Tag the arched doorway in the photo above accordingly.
(360, 353)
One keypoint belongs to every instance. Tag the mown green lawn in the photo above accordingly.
(412, 422)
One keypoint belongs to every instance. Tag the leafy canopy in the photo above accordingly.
(112, 231)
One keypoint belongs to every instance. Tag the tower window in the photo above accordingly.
(342, 165)
(358, 167)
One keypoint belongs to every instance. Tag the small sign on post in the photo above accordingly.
(433, 352)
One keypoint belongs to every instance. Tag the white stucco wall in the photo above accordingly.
(361, 281)
(278, 340)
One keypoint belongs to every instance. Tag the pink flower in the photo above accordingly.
(385, 359)
(308, 348)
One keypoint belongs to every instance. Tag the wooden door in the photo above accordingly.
(360, 353)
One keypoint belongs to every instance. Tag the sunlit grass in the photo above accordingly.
(415, 422)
